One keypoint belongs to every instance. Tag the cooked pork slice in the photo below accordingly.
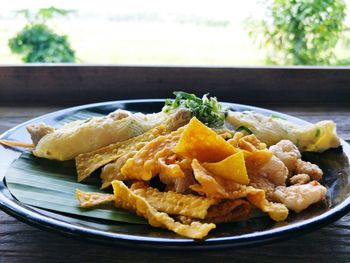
(274, 170)
(308, 168)
(263, 183)
(177, 184)
(287, 152)
(300, 197)
(300, 179)
(266, 177)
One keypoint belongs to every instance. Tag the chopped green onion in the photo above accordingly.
(243, 128)
(207, 110)
(277, 117)
(318, 133)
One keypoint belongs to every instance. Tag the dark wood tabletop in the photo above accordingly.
(23, 243)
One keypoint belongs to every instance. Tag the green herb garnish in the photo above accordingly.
(277, 117)
(207, 110)
(244, 128)
(318, 133)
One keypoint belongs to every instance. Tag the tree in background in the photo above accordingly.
(37, 42)
(300, 32)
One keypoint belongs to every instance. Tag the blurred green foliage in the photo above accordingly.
(37, 42)
(300, 32)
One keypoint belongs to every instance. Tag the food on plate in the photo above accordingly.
(193, 165)
(299, 197)
(87, 163)
(207, 110)
(127, 199)
(272, 129)
(153, 159)
(78, 137)
(16, 144)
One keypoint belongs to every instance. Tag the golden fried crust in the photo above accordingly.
(276, 211)
(146, 163)
(232, 168)
(86, 163)
(174, 203)
(216, 187)
(88, 199)
(251, 143)
(127, 199)
(111, 171)
(169, 202)
(202, 143)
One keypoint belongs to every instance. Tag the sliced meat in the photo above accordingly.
(177, 184)
(274, 170)
(300, 197)
(308, 168)
(300, 179)
(287, 152)
(263, 183)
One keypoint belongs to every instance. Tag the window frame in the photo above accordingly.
(73, 84)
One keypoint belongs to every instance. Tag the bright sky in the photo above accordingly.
(98, 37)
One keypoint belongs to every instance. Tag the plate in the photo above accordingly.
(255, 231)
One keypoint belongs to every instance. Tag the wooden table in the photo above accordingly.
(22, 243)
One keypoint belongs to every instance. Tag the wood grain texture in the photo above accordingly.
(22, 243)
(68, 85)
